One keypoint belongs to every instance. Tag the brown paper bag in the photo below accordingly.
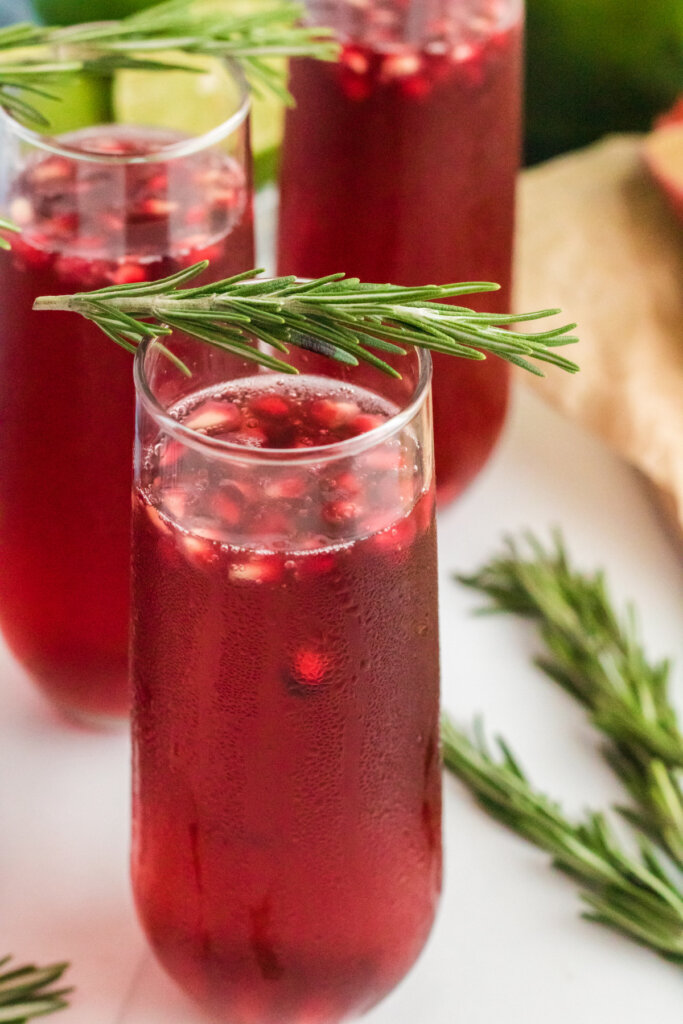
(596, 238)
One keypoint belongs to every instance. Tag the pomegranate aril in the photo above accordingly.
(175, 502)
(349, 484)
(317, 564)
(338, 513)
(198, 552)
(310, 666)
(271, 406)
(330, 413)
(286, 487)
(398, 537)
(366, 421)
(21, 211)
(265, 569)
(213, 416)
(228, 506)
(129, 273)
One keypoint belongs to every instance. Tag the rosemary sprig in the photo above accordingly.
(335, 316)
(598, 658)
(28, 992)
(184, 26)
(633, 894)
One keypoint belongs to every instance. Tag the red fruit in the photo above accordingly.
(337, 513)
(286, 487)
(309, 667)
(366, 421)
(663, 154)
(272, 406)
(228, 505)
(672, 116)
(129, 273)
(259, 569)
(213, 416)
(332, 413)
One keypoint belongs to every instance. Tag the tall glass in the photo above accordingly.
(97, 205)
(399, 164)
(286, 793)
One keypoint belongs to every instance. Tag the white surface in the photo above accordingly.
(508, 945)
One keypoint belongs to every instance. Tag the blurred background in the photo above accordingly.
(592, 66)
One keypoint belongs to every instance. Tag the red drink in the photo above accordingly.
(399, 165)
(286, 854)
(90, 216)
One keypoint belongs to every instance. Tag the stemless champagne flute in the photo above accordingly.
(286, 793)
(399, 164)
(102, 204)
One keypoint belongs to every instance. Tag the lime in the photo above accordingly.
(196, 103)
(68, 12)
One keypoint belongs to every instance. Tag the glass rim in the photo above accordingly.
(186, 147)
(232, 452)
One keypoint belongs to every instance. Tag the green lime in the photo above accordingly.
(81, 101)
(196, 103)
(67, 12)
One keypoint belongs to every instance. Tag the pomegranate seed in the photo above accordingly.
(416, 87)
(400, 65)
(384, 459)
(286, 487)
(398, 537)
(367, 421)
(348, 483)
(310, 667)
(64, 224)
(198, 551)
(158, 182)
(315, 564)
(21, 211)
(272, 406)
(195, 215)
(227, 198)
(209, 252)
(28, 255)
(251, 437)
(228, 505)
(129, 273)
(332, 414)
(215, 416)
(174, 502)
(337, 513)
(50, 170)
(355, 61)
(171, 454)
(264, 569)
(155, 207)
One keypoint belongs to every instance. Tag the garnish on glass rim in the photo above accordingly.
(599, 660)
(184, 26)
(335, 316)
(27, 992)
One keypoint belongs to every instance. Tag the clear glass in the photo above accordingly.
(286, 786)
(399, 164)
(98, 204)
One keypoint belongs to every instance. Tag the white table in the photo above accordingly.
(508, 945)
